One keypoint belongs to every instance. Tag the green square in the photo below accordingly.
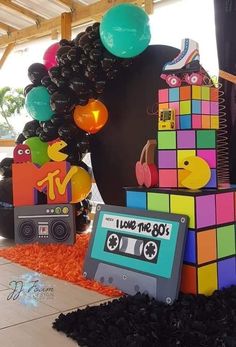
(206, 138)
(166, 139)
(185, 107)
(225, 241)
(158, 202)
(205, 93)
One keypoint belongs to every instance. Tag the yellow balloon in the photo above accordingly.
(81, 183)
(197, 172)
(54, 151)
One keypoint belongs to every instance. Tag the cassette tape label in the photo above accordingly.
(136, 242)
(141, 226)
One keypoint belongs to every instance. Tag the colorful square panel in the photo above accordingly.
(205, 93)
(185, 122)
(206, 122)
(177, 122)
(227, 272)
(206, 139)
(175, 106)
(206, 246)
(185, 205)
(163, 95)
(215, 123)
(173, 94)
(213, 180)
(196, 121)
(158, 202)
(214, 94)
(185, 107)
(196, 106)
(185, 93)
(136, 199)
(207, 279)
(205, 211)
(209, 155)
(226, 241)
(190, 248)
(166, 139)
(196, 92)
(214, 107)
(167, 159)
(168, 178)
(163, 106)
(183, 154)
(206, 107)
(186, 139)
(189, 279)
(224, 208)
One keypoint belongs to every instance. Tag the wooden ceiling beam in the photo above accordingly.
(22, 10)
(79, 16)
(66, 29)
(70, 3)
(6, 53)
(6, 27)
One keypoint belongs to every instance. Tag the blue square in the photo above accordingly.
(136, 199)
(227, 272)
(185, 122)
(190, 248)
(173, 94)
(213, 180)
(196, 107)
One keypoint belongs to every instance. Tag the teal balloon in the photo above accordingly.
(125, 31)
(39, 150)
(37, 103)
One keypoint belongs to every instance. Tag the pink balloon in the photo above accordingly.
(49, 57)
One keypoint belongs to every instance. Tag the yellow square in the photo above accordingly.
(207, 279)
(215, 122)
(184, 153)
(184, 205)
(163, 106)
(206, 122)
(196, 92)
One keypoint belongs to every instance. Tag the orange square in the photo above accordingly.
(185, 93)
(214, 94)
(163, 106)
(189, 279)
(206, 122)
(206, 246)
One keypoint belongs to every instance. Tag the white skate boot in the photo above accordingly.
(188, 60)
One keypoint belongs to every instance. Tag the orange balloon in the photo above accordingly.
(91, 117)
(81, 183)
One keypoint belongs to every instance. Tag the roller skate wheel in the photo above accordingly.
(173, 81)
(195, 79)
(139, 173)
(150, 175)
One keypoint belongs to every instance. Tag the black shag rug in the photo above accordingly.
(137, 321)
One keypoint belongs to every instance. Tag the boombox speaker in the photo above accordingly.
(45, 224)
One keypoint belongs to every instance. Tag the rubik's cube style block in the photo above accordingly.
(196, 107)
(174, 146)
(210, 252)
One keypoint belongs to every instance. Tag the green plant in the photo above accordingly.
(11, 103)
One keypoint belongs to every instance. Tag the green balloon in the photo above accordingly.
(37, 103)
(39, 150)
(125, 31)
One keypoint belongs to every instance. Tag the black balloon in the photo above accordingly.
(84, 40)
(20, 139)
(50, 128)
(6, 167)
(76, 67)
(61, 102)
(30, 128)
(60, 81)
(66, 72)
(28, 88)
(64, 42)
(79, 85)
(82, 100)
(54, 72)
(82, 223)
(52, 88)
(77, 38)
(36, 72)
(46, 81)
(6, 212)
(64, 60)
(39, 131)
(57, 119)
(95, 54)
(67, 132)
(62, 50)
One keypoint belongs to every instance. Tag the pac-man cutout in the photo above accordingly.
(197, 173)
(22, 154)
(54, 150)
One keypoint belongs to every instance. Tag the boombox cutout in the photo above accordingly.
(45, 224)
(137, 251)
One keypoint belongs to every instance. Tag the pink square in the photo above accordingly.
(224, 208)
(209, 155)
(196, 121)
(206, 107)
(175, 106)
(177, 126)
(214, 108)
(167, 178)
(163, 95)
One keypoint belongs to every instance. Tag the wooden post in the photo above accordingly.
(227, 76)
(148, 6)
(66, 19)
(6, 53)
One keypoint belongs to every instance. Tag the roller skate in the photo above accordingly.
(185, 67)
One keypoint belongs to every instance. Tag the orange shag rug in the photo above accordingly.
(60, 261)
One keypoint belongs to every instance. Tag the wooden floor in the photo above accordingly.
(28, 321)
